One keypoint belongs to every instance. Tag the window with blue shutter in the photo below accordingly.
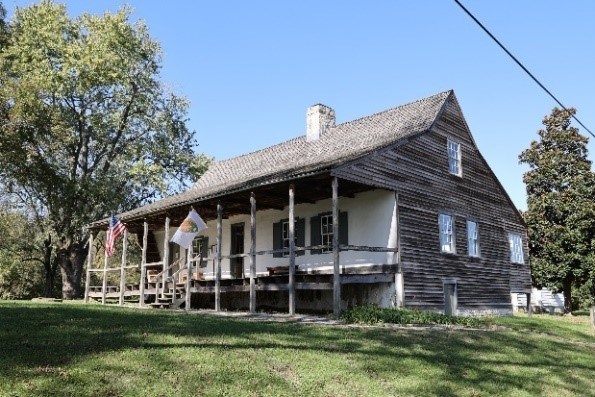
(281, 236)
(321, 231)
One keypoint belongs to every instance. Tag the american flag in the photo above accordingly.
(115, 230)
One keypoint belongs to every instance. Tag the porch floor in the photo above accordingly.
(312, 280)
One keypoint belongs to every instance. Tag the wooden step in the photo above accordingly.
(160, 305)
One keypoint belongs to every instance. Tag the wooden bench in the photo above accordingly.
(279, 270)
(152, 275)
(195, 276)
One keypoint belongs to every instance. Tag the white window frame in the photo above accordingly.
(197, 246)
(285, 235)
(473, 238)
(326, 232)
(447, 233)
(454, 158)
(515, 241)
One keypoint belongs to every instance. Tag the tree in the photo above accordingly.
(3, 33)
(86, 125)
(560, 212)
(20, 277)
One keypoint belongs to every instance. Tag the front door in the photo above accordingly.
(237, 247)
(450, 298)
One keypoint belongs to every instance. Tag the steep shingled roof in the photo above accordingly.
(297, 157)
(338, 144)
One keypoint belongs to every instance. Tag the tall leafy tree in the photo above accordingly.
(20, 275)
(3, 34)
(560, 212)
(86, 125)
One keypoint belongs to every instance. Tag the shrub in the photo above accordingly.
(19, 279)
(376, 315)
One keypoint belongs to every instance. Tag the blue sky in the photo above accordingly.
(251, 68)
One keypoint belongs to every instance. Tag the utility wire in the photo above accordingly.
(521, 65)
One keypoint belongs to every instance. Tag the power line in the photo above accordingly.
(520, 64)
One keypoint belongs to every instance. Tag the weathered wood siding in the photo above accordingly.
(418, 171)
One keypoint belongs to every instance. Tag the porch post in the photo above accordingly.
(218, 259)
(336, 268)
(143, 264)
(89, 263)
(189, 258)
(291, 235)
(396, 256)
(165, 258)
(104, 285)
(123, 267)
(252, 253)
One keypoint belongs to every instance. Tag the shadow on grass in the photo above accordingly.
(443, 362)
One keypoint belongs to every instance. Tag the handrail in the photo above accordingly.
(152, 264)
(161, 278)
(176, 273)
(160, 274)
(342, 247)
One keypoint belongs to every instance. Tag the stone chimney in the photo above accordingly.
(318, 119)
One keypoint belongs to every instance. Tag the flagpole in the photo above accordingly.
(123, 268)
(104, 285)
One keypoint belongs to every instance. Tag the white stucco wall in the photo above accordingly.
(370, 216)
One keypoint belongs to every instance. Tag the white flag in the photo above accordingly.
(190, 227)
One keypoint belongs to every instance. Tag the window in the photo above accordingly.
(472, 238)
(516, 248)
(454, 158)
(447, 240)
(200, 246)
(285, 234)
(321, 231)
(281, 236)
(326, 232)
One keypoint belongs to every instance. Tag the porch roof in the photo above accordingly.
(296, 159)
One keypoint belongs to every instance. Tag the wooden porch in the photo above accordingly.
(176, 284)
(177, 290)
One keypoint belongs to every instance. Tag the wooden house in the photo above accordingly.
(395, 209)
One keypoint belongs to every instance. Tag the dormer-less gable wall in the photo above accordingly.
(418, 170)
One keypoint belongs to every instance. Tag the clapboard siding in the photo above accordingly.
(418, 171)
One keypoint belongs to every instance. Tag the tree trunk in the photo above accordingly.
(72, 261)
(567, 289)
(50, 268)
(48, 287)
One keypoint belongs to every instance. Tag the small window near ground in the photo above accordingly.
(447, 241)
(472, 238)
(516, 248)
(454, 158)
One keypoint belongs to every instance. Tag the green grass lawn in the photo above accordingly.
(70, 349)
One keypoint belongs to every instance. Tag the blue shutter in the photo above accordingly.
(277, 240)
(300, 234)
(204, 251)
(343, 228)
(315, 238)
